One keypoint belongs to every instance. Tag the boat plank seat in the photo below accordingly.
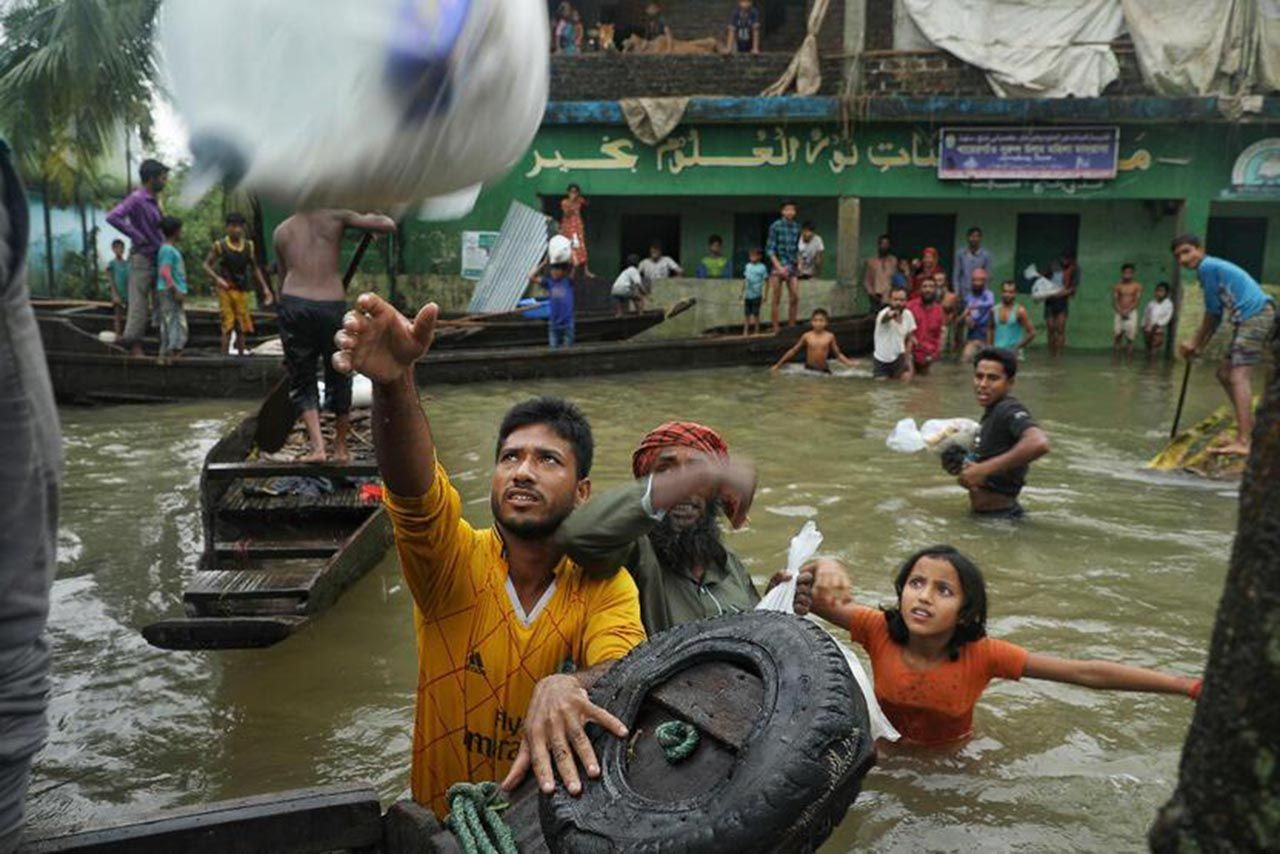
(236, 502)
(284, 468)
(222, 584)
(252, 549)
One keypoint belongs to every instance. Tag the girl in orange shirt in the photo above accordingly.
(931, 657)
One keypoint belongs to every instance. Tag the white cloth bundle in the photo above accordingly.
(804, 545)
(936, 434)
(384, 104)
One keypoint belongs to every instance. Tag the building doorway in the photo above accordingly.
(1042, 238)
(640, 230)
(912, 233)
(1242, 240)
(750, 230)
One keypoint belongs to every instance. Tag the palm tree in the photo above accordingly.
(72, 73)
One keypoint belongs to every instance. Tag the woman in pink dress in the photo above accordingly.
(572, 227)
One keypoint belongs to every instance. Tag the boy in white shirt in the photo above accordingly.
(1156, 319)
(894, 339)
(628, 289)
(809, 253)
(657, 266)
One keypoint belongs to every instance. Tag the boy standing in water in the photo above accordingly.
(171, 287)
(118, 285)
(1125, 298)
(1014, 329)
(1231, 292)
(1008, 440)
(755, 275)
(1156, 320)
(818, 344)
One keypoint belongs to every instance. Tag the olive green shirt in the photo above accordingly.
(611, 531)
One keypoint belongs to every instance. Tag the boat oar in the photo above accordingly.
(276, 414)
(1182, 398)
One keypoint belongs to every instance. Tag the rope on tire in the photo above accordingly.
(473, 818)
(678, 740)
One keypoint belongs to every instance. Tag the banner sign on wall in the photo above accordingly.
(476, 246)
(1017, 154)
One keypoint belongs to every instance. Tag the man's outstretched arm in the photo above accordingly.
(368, 221)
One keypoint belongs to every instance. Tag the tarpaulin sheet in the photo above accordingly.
(520, 247)
(1029, 48)
(1201, 48)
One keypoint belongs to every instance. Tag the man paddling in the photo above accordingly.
(1008, 441)
(1229, 291)
(510, 632)
(312, 303)
(663, 528)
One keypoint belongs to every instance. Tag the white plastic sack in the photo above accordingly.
(905, 438)
(804, 545)
(385, 104)
(559, 250)
(938, 434)
(361, 391)
(1042, 289)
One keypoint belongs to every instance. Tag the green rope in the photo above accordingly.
(678, 740)
(473, 818)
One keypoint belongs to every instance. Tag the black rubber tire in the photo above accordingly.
(794, 780)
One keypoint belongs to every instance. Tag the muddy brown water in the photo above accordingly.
(1113, 562)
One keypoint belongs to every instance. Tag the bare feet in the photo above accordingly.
(340, 452)
(314, 457)
(1237, 448)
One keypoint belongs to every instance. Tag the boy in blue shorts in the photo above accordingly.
(118, 285)
(1231, 292)
(755, 275)
(171, 290)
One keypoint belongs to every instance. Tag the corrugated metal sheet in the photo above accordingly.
(519, 249)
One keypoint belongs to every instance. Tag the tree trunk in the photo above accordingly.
(1228, 794)
(50, 284)
(88, 279)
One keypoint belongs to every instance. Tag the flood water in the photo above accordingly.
(1113, 562)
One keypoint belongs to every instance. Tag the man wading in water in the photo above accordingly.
(510, 631)
(1008, 441)
(312, 302)
(663, 529)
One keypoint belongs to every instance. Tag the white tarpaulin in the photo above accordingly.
(1029, 48)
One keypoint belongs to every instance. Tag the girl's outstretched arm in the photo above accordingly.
(832, 593)
(1109, 675)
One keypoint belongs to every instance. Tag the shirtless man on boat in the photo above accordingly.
(312, 302)
(510, 631)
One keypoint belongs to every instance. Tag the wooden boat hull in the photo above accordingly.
(204, 326)
(271, 562)
(84, 369)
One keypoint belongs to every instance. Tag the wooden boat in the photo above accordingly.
(85, 369)
(784, 739)
(204, 325)
(271, 562)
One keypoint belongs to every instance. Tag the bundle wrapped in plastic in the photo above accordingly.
(1041, 288)
(804, 545)
(936, 434)
(387, 104)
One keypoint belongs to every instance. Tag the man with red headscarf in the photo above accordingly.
(663, 529)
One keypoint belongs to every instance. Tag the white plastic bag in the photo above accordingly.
(1041, 288)
(905, 437)
(386, 104)
(939, 434)
(804, 545)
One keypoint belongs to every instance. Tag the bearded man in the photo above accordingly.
(663, 529)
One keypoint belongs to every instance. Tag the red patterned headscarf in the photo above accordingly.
(685, 434)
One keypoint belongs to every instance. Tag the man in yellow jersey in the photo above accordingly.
(510, 631)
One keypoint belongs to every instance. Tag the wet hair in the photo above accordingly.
(1186, 240)
(973, 229)
(117, 242)
(1164, 285)
(565, 420)
(785, 203)
(1127, 265)
(971, 622)
(1001, 355)
(807, 224)
(149, 169)
(715, 238)
(234, 218)
(821, 312)
(632, 260)
(573, 187)
(884, 237)
(170, 225)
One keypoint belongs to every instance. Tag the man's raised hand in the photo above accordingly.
(380, 342)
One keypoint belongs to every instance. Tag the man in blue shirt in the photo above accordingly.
(972, 257)
(782, 249)
(1231, 292)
